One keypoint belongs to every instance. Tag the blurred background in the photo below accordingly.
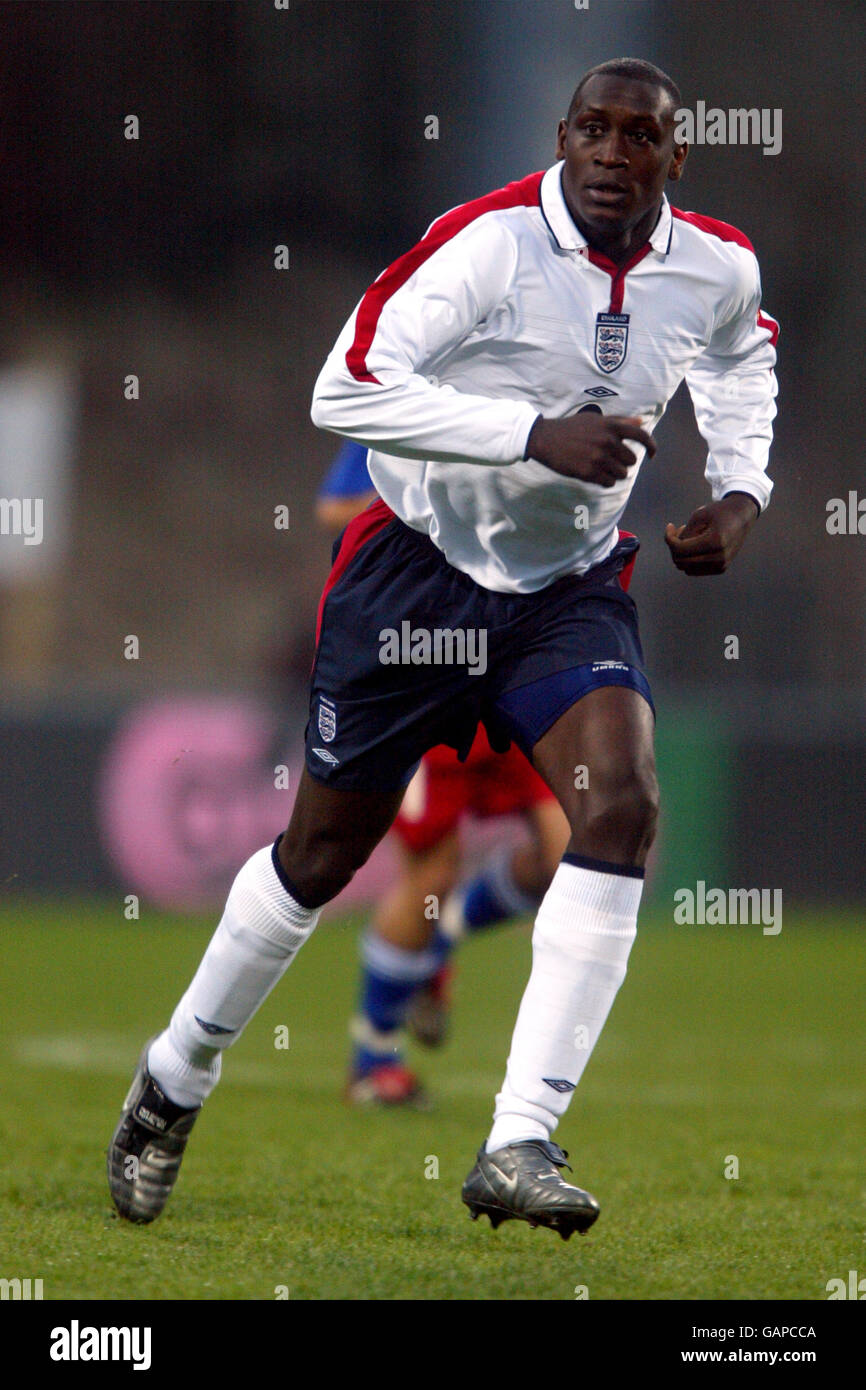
(195, 195)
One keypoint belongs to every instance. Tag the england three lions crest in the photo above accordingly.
(327, 720)
(611, 340)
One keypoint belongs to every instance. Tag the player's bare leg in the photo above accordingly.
(400, 917)
(534, 865)
(581, 942)
(331, 835)
(610, 733)
(272, 909)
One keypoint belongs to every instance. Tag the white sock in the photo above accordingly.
(260, 933)
(580, 945)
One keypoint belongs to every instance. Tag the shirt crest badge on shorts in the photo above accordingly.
(611, 340)
(327, 720)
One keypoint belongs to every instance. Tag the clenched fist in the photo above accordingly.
(588, 446)
(712, 535)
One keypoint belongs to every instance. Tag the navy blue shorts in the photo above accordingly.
(412, 653)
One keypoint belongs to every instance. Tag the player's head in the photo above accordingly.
(618, 145)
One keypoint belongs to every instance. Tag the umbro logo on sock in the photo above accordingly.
(211, 1027)
(558, 1084)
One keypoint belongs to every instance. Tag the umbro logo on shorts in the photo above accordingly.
(558, 1084)
(325, 755)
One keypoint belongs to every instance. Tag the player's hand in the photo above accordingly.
(589, 446)
(712, 535)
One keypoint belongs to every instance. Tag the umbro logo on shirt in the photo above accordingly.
(598, 391)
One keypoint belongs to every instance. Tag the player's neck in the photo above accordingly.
(620, 247)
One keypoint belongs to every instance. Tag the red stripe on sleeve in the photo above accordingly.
(524, 193)
(723, 230)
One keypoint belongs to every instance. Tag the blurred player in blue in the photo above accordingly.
(346, 490)
(405, 952)
(506, 374)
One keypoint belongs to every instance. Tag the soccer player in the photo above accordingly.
(406, 949)
(466, 370)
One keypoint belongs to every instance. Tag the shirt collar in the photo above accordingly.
(568, 235)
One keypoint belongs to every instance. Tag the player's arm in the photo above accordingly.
(379, 383)
(733, 389)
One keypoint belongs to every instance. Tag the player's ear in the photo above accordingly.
(561, 131)
(675, 169)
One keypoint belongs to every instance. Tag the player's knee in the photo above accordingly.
(621, 817)
(320, 863)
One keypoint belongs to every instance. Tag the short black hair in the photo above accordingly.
(637, 70)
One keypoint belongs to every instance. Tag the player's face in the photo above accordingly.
(618, 147)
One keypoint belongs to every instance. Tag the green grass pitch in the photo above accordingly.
(723, 1044)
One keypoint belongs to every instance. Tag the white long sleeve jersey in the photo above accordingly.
(502, 312)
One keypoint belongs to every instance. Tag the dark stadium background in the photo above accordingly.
(305, 128)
